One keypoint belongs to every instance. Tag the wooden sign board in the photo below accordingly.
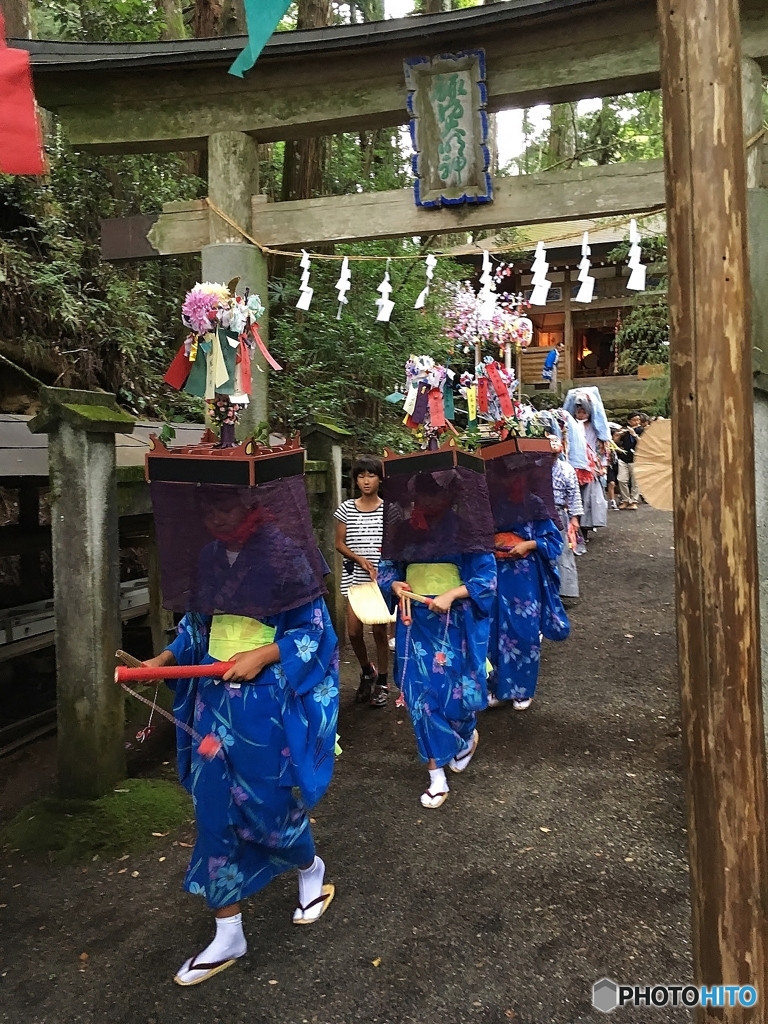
(447, 98)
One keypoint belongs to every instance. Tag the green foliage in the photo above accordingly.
(644, 337)
(167, 434)
(623, 128)
(76, 831)
(654, 250)
(662, 405)
(71, 319)
(544, 399)
(344, 369)
(119, 21)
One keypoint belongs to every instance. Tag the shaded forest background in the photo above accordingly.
(69, 319)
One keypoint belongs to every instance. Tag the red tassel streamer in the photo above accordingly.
(271, 361)
(244, 362)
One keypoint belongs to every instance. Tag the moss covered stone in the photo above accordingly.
(75, 831)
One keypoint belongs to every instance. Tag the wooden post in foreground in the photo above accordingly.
(81, 428)
(715, 543)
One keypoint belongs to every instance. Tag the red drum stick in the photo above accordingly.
(146, 674)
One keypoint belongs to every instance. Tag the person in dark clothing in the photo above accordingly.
(626, 443)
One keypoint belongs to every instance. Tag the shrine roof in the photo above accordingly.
(67, 55)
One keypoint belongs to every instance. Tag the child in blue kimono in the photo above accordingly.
(528, 605)
(441, 654)
(269, 726)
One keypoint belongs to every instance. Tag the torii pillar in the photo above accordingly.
(718, 625)
(233, 179)
(757, 210)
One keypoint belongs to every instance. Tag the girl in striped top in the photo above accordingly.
(359, 531)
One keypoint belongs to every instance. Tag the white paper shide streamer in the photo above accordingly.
(385, 304)
(540, 283)
(636, 282)
(430, 273)
(587, 289)
(305, 292)
(486, 300)
(343, 285)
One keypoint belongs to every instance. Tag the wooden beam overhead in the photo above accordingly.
(549, 197)
(138, 104)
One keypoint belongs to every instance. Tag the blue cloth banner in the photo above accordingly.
(262, 18)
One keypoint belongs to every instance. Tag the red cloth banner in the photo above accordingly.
(501, 389)
(177, 373)
(244, 362)
(482, 394)
(21, 142)
(263, 349)
(436, 409)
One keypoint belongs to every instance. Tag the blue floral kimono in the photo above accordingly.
(278, 734)
(527, 604)
(443, 672)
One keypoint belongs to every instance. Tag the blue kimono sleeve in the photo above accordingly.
(191, 644)
(189, 648)
(549, 539)
(549, 545)
(478, 573)
(388, 572)
(306, 640)
(308, 677)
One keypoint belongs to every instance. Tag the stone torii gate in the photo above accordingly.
(177, 96)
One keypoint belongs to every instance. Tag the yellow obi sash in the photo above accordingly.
(231, 634)
(432, 578)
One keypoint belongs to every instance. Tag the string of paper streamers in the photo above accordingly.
(385, 304)
(305, 292)
(343, 285)
(430, 273)
(539, 281)
(587, 289)
(636, 282)
(486, 298)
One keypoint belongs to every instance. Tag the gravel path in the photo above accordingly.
(559, 857)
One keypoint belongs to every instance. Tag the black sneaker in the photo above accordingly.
(380, 696)
(367, 679)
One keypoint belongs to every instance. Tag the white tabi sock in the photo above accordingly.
(228, 944)
(437, 781)
(311, 882)
(229, 941)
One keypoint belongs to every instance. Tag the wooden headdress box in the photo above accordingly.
(247, 465)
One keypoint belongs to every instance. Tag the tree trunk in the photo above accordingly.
(174, 20)
(561, 146)
(219, 18)
(304, 159)
(16, 14)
